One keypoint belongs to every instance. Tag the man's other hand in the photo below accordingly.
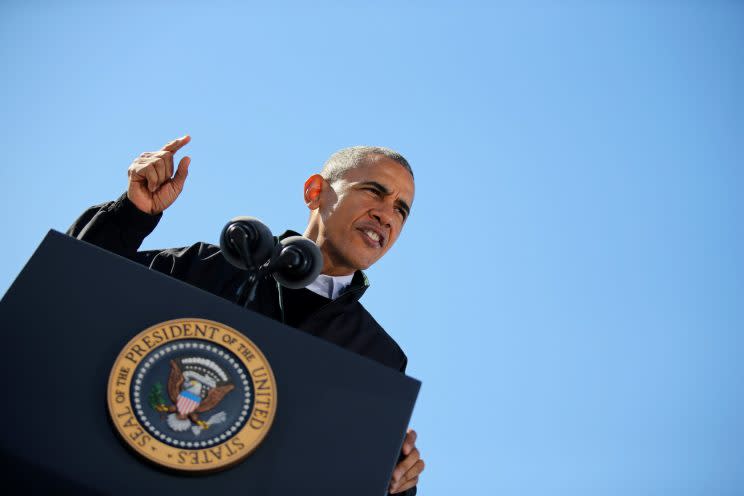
(406, 473)
(152, 185)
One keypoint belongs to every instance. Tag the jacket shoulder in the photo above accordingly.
(200, 264)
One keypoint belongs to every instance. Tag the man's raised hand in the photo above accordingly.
(152, 185)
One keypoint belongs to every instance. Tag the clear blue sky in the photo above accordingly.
(569, 287)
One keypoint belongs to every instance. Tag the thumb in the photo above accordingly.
(183, 170)
(410, 442)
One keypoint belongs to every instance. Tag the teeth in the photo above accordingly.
(372, 235)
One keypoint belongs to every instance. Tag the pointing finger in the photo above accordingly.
(176, 144)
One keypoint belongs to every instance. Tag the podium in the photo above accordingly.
(339, 419)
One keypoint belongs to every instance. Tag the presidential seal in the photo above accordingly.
(192, 395)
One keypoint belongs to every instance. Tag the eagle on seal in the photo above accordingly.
(197, 389)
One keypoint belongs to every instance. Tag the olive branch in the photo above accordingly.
(156, 398)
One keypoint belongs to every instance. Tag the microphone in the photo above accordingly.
(297, 263)
(246, 242)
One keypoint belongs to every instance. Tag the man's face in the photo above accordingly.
(361, 215)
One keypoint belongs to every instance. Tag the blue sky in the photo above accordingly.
(569, 284)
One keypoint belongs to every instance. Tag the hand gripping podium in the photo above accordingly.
(75, 313)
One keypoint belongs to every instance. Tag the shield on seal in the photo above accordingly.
(187, 402)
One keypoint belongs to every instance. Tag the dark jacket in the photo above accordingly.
(120, 227)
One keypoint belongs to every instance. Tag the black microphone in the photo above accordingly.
(246, 242)
(297, 263)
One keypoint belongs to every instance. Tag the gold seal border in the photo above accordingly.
(211, 458)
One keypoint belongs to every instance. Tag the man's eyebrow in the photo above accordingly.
(377, 185)
(386, 191)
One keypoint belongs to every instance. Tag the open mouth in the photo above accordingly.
(372, 237)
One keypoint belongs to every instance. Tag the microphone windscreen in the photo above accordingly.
(299, 262)
(246, 237)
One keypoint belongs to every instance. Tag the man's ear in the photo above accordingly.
(313, 187)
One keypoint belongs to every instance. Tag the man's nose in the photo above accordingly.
(382, 216)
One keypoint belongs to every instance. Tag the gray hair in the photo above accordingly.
(346, 159)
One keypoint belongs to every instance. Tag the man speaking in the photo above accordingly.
(358, 204)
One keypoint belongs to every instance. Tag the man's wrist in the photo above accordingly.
(129, 216)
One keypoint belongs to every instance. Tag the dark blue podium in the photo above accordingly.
(340, 418)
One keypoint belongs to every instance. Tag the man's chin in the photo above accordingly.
(355, 255)
(363, 264)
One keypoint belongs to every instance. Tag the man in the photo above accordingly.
(358, 206)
